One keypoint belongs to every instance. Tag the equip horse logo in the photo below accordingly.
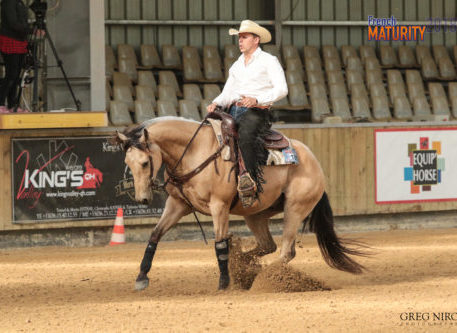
(425, 166)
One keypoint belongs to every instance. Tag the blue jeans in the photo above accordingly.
(237, 111)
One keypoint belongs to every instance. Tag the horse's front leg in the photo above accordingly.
(220, 214)
(174, 210)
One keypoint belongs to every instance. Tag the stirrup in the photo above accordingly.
(246, 190)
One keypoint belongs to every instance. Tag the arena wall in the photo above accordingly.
(345, 151)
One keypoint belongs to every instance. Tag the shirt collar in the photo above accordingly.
(254, 55)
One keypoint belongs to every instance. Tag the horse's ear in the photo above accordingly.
(145, 137)
(122, 137)
(119, 139)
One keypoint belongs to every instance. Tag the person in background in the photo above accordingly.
(13, 47)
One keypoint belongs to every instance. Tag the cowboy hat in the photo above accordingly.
(253, 28)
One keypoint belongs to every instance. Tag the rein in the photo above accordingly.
(189, 175)
(179, 180)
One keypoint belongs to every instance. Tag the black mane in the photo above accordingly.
(133, 134)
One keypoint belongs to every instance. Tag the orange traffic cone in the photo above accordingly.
(118, 235)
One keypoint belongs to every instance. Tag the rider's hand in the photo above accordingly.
(211, 107)
(248, 102)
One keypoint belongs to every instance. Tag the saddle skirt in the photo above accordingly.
(280, 150)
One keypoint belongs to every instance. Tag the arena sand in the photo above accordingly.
(57, 289)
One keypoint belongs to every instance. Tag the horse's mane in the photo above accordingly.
(153, 121)
(134, 133)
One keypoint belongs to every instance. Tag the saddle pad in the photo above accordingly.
(275, 157)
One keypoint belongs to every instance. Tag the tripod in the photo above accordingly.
(35, 42)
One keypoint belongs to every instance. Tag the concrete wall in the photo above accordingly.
(70, 26)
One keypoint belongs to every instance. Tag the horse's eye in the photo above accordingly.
(144, 165)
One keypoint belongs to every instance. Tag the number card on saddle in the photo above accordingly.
(280, 150)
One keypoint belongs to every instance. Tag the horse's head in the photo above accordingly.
(144, 159)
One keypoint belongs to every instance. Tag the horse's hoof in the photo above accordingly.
(141, 284)
(224, 282)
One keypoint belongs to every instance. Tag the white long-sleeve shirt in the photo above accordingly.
(262, 78)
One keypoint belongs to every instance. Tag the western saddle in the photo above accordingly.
(272, 140)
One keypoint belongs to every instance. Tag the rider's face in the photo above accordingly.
(247, 42)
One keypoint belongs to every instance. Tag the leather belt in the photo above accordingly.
(263, 107)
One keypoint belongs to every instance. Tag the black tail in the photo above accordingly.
(334, 250)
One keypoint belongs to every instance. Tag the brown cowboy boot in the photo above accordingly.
(246, 190)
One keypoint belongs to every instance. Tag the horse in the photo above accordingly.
(297, 190)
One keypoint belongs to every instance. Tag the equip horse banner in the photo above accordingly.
(78, 178)
(415, 165)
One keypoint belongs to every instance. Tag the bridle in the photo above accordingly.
(179, 180)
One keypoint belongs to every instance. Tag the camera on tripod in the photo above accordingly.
(39, 8)
(36, 65)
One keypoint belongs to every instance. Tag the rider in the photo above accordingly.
(256, 80)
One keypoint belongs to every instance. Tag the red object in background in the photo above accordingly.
(118, 235)
(424, 143)
(92, 178)
(10, 45)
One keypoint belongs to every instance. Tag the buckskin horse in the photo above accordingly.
(207, 187)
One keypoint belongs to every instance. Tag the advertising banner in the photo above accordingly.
(73, 179)
(414, 165)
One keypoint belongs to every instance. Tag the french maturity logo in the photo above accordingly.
(386, 29)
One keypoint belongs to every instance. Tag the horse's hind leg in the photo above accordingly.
(174, 210)
(258, 224)
(295, 211)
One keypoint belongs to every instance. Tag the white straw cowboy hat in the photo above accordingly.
(253, 28)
